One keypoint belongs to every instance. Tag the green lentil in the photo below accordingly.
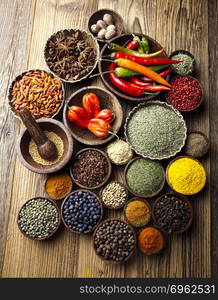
(184, 68)
(144, 176)
(38, 218)
(155, 131)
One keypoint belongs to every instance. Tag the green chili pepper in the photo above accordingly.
(145, 44)
(140, 47)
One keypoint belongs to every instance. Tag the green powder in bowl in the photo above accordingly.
(186, 67)
(145, 177)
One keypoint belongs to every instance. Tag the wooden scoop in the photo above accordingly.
(46, 148)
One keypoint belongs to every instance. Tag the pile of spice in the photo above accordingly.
(119, 152)
(186, 176)
(172, 214)
(114, 195)
(185, 67)
(197, 144)
(81, 211)
(185, 94)
(90, 168)
(138, 213)
(56, 139)
(150, 240)
(70, 55)
(144, 176)
(39, 92)
(58, 185)
(155, 131)
(38, 218)
(114, 240)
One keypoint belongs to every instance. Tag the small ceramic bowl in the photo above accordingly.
(139, 195)
(185, 110)
(106, 178)
(68, 191)
(138, 199)
(52, 233)
(206, 148)
(98, 15)
(22, 147)
(183, 198)
(112, 261)
(183, 52)
(62, 207)
(123, 163)
(167, 179)
(107, 100)
(16, 113)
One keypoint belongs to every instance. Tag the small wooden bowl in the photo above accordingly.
(167, 169)
(112, 261)
(185, 110)
(138, 199)
(106, 178)
(121, 205)
(16, 114)
(107, 100)
(68, 192)
(104, 65)
(139, 195)
(52, 233)
(62, 207)
(180, 197)
(119, 164)
(183, 52)
(98, 15)
(23, 143)
(206, 139)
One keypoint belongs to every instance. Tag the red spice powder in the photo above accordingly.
(185, 93)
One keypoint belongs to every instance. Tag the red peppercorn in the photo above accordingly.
(185, 93)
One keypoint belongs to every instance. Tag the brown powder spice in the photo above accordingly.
(150, 240)
(58, 185)
(138, 213)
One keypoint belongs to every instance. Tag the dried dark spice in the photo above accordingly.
(70, 55)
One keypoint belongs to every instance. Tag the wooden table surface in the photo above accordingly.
(176, 24)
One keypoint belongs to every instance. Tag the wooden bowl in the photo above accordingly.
(206, 139)
(106, 178)
(23, 143)
(183, 198)
(107, 100)
(139, 195)
(52, 233)
(138, 199)
(98, 15)
(112, 261)
(16, 114)
(104, 65)
(167, 169)
(183, 52)
(86, 36)
(62, 207)
(185, 110)
(121, 205)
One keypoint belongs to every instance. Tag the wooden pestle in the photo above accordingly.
(46, 148)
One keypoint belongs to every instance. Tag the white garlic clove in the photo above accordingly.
(111, 27)
(108, 19)
(101, 33)
(95, 28)
(110, 34)
(101, 23)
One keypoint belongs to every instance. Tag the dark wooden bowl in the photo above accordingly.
(106, 178)
(183, 52)
(138, 199)
(121, 205)
(16, 114)
(185, 110)
(98, 15)
(167, 180)
(112, 261)
(207, 141)
(23, 143)
(180, 197)
(139, 195)
(119, 164)
(86, 36)
(68, 192)
(107, 100)
(52, 233)
(62, 207)
(104, 65)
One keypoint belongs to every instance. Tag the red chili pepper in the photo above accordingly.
(91, 104)
(99, 127)
(162, 74)
(132, 45)
(106, 115)
(137, 81)
(78, 116)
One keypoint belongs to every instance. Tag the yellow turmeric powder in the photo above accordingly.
(138, 213)
(186, 176)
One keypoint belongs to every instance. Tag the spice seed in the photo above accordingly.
(114, 195)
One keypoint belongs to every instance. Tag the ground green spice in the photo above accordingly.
(184, 68)
(144, 176)
(155, 131)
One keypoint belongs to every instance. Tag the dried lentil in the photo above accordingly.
(138, 213)
(114, 195)
(119, 151)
